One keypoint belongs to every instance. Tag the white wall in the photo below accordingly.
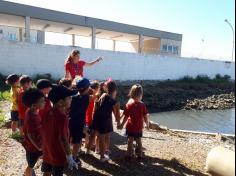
(27, 58)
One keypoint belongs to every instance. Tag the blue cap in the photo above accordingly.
(82, 83)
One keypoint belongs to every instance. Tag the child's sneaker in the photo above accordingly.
(105, 159)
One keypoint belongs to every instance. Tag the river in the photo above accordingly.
(214, 121)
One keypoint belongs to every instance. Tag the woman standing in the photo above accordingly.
(74, 66)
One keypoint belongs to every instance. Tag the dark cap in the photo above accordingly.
(82, 83)
(58, 93)
(25, 79)
(11, 79)
(43, 83)
(94, 84)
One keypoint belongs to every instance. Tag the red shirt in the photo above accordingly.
(32, 125)
(89, 113)
(75, 69)
(21, 107)
(47, 107)
(136, 112)
(55, 125)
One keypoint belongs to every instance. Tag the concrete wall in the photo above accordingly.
(27, 58)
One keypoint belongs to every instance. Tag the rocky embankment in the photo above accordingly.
(219, 102)
(169, 96)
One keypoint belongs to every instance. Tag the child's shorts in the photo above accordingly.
(32, 158)
(77, 133)
(134, 135)
(14, 116)
(55, 170)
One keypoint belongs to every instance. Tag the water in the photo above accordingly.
(214, 121)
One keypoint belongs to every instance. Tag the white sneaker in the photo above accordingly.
(105, 159)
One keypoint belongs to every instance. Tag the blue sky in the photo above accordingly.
(197, 20)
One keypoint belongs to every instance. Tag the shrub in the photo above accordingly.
(186, 79)
(203, 78)
(218, 76)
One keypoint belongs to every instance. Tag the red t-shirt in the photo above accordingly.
(55, 125)
(136, 112)
(89, 113)
(32, 125)
(21, 107)
(75, 69)
(47, 107)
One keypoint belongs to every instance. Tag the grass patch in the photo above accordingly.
(17, 136)
(4, 94)
(2, 118)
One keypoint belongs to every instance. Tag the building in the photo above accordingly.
(20, 22)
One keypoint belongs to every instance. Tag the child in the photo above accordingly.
(14, 81)
(26, 83)
(136, 113)
(34, 100)
(45, 87)
(89, 114)
(77, 115)
(55, 133)
(93, 133)
(102, 121)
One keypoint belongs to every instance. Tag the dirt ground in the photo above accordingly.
(166, 154)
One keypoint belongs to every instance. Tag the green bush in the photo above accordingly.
(186, 79)
(203, 78)
(227, 78)
(218, 76)
(2, 118)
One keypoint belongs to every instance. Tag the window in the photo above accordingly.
(33, 39)
(175, 49)
(12, 37)
(164, 47)
(170, 47)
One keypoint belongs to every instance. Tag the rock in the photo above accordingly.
(156, 126)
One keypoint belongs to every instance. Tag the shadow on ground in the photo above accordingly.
(119, 166)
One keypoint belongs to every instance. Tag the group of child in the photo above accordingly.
(55, 118)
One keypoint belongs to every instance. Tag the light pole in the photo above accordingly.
(226, 20)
